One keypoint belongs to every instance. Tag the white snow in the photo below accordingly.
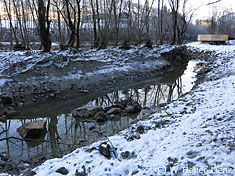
(191, 136)
(3, 81)
(115, 59)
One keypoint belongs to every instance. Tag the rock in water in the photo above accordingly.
(100, 116)
(106, 109)
(32, 130)
(133, 108)
(94, 110)
(81, 113)
(130, 109)
(114, 111)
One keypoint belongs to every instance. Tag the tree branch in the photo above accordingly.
(213, 2)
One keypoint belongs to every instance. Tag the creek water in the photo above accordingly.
(65, 133)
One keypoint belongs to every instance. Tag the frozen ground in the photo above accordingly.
(38, 77)
(191, 136)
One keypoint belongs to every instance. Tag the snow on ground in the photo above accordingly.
(191, 136)
(43, 65)
(36, 71)
(25, 60)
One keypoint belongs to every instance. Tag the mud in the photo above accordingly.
(41, 78)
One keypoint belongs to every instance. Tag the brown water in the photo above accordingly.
(66, 133)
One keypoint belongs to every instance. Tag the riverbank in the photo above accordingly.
(191, 136)
(33, 77)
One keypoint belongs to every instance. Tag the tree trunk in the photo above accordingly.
(160, 21)
(78, 24)
(10, 19)
(174, 4)
(71, 25)
(19, 21)
(129, 20)
(42, 20)
(94, 25)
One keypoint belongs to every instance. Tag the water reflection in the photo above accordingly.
(66, 133)
(149, 96)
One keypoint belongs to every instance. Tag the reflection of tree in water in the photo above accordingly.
(54, 136)
(151, 95)
(148, 96)
(66, 133)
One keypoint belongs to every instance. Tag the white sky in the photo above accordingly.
(203, 11)
(206, 11)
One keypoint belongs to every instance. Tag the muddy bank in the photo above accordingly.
(35, 77)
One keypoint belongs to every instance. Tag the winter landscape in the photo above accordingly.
(193, 135)
(117, 88)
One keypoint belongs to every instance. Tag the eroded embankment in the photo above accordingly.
(29, 78)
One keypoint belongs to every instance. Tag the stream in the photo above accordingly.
(65, 133)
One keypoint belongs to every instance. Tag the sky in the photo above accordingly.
(204, 11)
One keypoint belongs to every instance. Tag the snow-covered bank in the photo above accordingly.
(33, 77)
(192, 136)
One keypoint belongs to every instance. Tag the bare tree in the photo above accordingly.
(180, 20)
(226, 23)
(160, 22)
(174, 5)
(98, 21)
(129, 20)
(78, 23)
(185, 18)
(96, 43)
(8, 9)
(213, 22)
(71, 24)
(44, 25)
(117, 19)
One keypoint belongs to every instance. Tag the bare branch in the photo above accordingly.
(213, 2)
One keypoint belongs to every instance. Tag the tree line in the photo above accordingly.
(99, 23)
